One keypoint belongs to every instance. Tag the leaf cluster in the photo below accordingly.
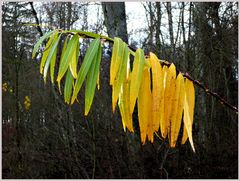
(162, 97)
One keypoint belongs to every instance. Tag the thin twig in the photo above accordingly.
(214, 94)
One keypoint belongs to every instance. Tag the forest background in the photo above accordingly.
(42, 137)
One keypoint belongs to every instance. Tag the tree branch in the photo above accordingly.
(186, 75)
(36, 19)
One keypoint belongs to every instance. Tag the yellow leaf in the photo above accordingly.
(144, 106)
(157, 88)
(177, 109)
(74, 60)
(190, 101)
(46, 52)
(116, 58)
(121, 75)
(136, 77)
(123, 104)
(162, 115)
(61, 59)
(168, 96)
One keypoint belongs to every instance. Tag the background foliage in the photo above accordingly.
(45, 138)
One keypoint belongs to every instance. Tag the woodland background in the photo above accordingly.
(49, 139)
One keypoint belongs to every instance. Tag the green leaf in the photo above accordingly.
(116, 59)
(74, 60)
(52, 56)
(136, 77)
(68, 86)
(91, 52)
(91, 81)
(67, 56)
(121, 75)
(39, 42)
(46, 52)
(61, 59)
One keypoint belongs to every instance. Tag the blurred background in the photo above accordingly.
(42, 137)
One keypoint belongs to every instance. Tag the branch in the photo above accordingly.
(214, 94)
(186, 75)
(36, 18)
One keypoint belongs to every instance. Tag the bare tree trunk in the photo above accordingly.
(183, 27)
(115, 19)
(151, 26)
(170, 24)
(159, 17)
(189, 35)
(69, 10)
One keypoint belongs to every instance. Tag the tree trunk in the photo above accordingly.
(115, 19)
(170, 25)
(159, 17)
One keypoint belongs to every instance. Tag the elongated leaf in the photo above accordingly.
(74, 60)
(91, 81)
(157, 88)
(46, 52)
(121, 76)
(168, 96)
(68, 53)
(187, 120)
(136, 77)
(145, 107)
(177, 109)
(191, 101)
(91, 52)
(116, 60)
(180, 105)
(52, 55)
(40, 41)
(61, 59)
(52, 64)
(68, 86)
(123, 104)
(162, 108)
